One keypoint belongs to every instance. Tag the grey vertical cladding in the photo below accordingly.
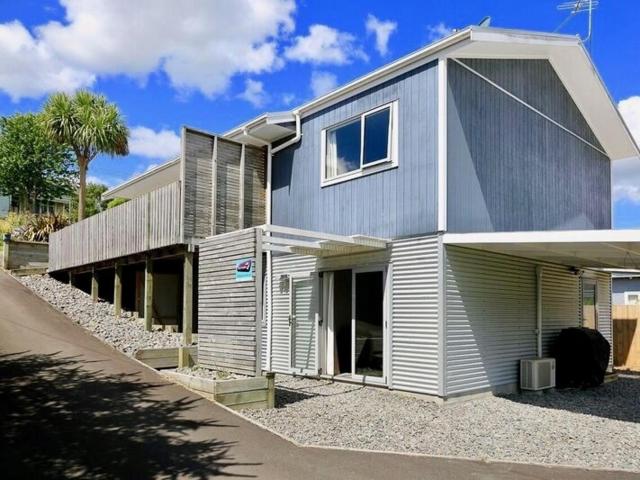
(536, 82)
(198, 184)
(227, 338)
(509, 168)
(393, 203)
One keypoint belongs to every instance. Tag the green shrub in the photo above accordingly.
(13, 221)
(39, 227)
(117, 201)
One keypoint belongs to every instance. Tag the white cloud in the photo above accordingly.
(199, 48)
(438, 31)
(626, 173)
(29, 68)
(382, 30)
(149, 143)
(322, 82)
(254, 93)
(325, 45)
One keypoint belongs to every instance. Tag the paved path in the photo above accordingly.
(72, 406)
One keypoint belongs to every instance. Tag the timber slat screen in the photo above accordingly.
(143, 223)
(227, 338)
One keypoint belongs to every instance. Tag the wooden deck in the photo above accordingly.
(143, 223)
(221, 188)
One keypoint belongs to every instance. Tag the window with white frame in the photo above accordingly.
(632, 298)
(360, 145)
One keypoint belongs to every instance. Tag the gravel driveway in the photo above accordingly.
(594, 428)
(126, 333)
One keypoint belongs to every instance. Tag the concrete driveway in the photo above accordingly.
(72, 406)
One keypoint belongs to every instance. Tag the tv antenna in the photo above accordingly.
(578, 6)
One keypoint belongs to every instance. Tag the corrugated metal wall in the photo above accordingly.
(490, 319)
(491, 315)
(415, 320)
(560, 303)
(413, 326)
(605, 322)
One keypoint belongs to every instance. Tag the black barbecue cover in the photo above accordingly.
(582, 356)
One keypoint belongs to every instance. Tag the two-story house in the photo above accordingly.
(426, 226)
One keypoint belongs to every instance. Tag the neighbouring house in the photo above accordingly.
(423, 228)
(625, 286)
(56, 205)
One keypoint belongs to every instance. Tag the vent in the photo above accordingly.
(537, 373)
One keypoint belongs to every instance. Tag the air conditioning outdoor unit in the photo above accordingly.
(537, 373)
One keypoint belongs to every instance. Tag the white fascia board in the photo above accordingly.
(565, 236)
(410, 61)
(118, 190)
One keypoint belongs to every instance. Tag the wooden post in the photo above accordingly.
(117, 290)
(187, 299)
(94, 285)
(72, 279)
(148, 294)
(5, 252)
(271, 390)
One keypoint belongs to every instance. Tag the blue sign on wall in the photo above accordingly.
(244, 269)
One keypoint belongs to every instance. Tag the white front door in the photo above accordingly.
(303, 324)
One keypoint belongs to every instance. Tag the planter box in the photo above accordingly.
(167, 357)
(237, 394)
(19, 254)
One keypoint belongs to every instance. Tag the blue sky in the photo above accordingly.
(215, 64)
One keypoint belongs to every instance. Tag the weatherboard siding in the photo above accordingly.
(510, 169)
(397, 202)
(227, 338)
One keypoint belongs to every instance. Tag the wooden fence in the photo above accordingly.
(143, 223)
(626, 336)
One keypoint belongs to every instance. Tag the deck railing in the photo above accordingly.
(143, 223)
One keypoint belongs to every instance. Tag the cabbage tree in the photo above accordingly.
(91, 125)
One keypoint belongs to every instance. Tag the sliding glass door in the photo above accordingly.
(368, 324)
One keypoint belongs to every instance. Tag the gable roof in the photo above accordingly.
(566, 53)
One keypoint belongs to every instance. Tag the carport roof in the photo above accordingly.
(578, 248)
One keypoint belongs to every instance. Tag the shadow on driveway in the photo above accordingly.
(61, 418)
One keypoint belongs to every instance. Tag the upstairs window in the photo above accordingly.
(359, 146)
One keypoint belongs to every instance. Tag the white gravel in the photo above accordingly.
(125, 333)
(597, 428)
(203, 372)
